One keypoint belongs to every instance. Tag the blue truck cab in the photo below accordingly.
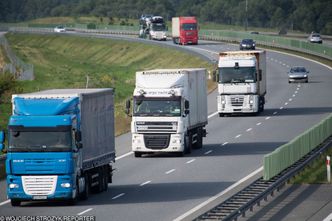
(60, 145)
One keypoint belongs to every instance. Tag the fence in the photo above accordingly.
(287, 154)
(18, 67)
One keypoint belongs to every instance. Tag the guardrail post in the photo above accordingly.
(328, 169)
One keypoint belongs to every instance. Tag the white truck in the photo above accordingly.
(169, 111)
(153, 27)
(241, 82)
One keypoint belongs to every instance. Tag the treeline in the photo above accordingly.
(303, 15)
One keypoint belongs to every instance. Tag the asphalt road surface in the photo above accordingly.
(163, 187)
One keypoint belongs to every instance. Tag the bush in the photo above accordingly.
(91, 26)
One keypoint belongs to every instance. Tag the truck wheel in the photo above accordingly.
(86, 192)
(105, 178)
(199, 143)
(138, 154)
(188, 143)
(15, 202)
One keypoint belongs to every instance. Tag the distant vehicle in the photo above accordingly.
(247, 44)
(59, 29)
(153, 27)
(315, 38)
(185, 30)
(298, 74)
(241, 82)
(254, 32)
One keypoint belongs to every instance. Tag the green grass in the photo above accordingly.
(66, 61)
(315, 173)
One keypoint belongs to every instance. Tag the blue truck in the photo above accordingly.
(60, 145)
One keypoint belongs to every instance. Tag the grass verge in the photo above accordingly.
(315, 172)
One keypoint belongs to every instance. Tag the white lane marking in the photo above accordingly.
(296, 92)
(259, 123)
(145, 183)
(237, 136)
(208, 152)
(328, 218)
(198, 207)
(267, 118)
(211, 115)
(118, 196)
(124, 155)
(4, 202)
(294, 95)
(274, 113)
(85, 211)
(224, 144)
(290, 99)
(190, 161)
(281, 108)
(298, 88)
(286, 103)
(170, 171)
(249, 129)
(203, 50)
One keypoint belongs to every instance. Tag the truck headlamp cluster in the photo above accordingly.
(13, 186)
(65, 185)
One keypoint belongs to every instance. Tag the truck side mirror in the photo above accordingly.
(78, 136)
(79, 145)
(186, 104)
(127, 111)
(260, 74)
(186, 112)
(2, 139)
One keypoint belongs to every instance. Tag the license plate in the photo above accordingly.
(39, 197)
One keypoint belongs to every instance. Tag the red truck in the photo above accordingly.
(184, 30)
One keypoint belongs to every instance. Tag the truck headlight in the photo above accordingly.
(13, 186)
(65, 185)
(136, 139)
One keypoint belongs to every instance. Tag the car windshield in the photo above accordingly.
(158, 27)
(39, 141)
(189, 27)
(247, 41)
(316, 35)
(298, 69)
(157, 106)
(237, 75)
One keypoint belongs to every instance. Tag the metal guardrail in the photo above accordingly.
(216, 35)
(243, 201)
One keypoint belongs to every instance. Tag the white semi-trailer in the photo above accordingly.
(241, 82)
(169, 111)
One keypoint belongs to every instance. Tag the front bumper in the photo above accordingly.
(146, 143)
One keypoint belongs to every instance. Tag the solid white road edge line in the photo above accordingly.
(85, 211)
(4, 202)
(218, 195)
(328, 218)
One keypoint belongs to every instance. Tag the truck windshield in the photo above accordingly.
(39, 141)
(189, 27)
(237, 75)
(157, 107)
(158, 27)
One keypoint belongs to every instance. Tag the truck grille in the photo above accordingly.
(237, 101)
(39, 185)
(157, 127)
(156, 141)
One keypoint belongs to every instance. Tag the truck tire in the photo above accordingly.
(105, 178)
(138, 154)
(261, 104)
(188, 143)
(86, 192)
(15, 202)
(199, 142)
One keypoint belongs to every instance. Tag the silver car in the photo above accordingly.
(298, 74)
(315, 38)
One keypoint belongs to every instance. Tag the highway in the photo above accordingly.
(163, 187)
